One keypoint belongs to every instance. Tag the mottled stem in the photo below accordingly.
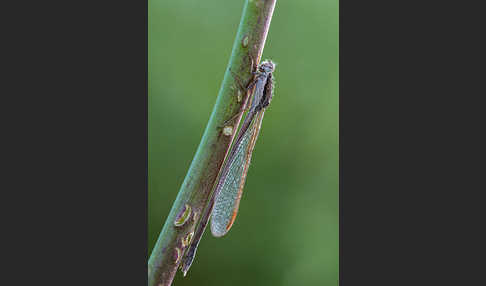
(196, 189)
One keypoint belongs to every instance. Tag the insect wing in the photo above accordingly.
(230, 186)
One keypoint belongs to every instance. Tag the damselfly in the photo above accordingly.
(225, 200)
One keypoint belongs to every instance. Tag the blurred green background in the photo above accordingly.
(287, 229)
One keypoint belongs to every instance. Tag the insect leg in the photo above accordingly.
(238, 81)
(254, 65)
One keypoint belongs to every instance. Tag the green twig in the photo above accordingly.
(197, 186)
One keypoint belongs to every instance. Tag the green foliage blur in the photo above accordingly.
(287, 231)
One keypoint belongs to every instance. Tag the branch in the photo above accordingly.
(196, 189)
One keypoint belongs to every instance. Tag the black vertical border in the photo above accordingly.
(76, 97)
(411, 156)
(373, 166)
